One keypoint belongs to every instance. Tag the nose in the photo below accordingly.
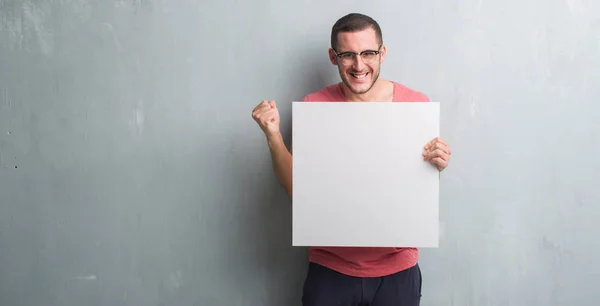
(358, 65)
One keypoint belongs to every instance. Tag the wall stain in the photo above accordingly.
(28, 26)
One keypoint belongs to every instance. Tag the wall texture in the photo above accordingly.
(131, 172)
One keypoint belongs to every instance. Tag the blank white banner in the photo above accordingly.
(359, 178)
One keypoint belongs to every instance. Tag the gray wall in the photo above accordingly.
(131, 172)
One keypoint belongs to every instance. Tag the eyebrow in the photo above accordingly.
(338, 52)
(355, 52)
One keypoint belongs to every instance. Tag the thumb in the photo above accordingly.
(272, 104)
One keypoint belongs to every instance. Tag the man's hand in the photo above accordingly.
(437, 152)
(267, 117)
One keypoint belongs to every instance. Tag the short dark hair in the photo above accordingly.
(354, 22)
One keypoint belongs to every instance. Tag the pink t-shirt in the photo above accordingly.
(364, 261)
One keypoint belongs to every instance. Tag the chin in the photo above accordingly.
(359, 88)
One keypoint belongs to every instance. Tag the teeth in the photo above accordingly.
(359, 76)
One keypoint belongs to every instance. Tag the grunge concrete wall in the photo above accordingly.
(131, 172)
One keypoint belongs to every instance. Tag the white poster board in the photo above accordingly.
(359, 178)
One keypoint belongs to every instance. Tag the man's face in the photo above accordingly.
(359, 73)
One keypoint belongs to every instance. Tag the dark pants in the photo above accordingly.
(326, 287)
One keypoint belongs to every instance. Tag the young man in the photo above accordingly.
(347, 276)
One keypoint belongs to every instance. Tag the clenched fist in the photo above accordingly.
(267, 117)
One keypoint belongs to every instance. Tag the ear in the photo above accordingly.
(383, 52)
(332, 57)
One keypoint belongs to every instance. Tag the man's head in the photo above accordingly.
(357, 49)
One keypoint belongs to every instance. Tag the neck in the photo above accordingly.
(381, 91)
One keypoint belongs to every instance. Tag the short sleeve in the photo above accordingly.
(421, 97)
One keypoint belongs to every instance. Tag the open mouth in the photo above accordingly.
(359, 76)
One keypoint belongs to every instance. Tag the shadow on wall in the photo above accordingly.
(265, 227)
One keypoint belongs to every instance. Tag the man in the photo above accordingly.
(347, 276)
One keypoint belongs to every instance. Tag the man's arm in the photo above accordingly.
(267, 117)
(282, 162)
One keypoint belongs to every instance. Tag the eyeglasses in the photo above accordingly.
(367, 56)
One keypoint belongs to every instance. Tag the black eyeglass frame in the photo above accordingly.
(354, 54)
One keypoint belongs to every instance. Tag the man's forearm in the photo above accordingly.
(282, 162)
